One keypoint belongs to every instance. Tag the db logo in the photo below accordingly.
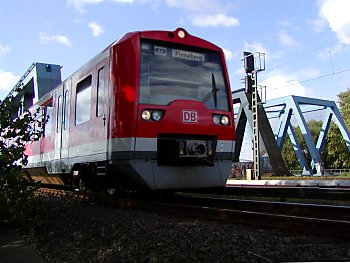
(189, 116)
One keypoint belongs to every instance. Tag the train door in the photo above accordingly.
(100, 119)
(46, 142)
(58, 121)
(65, 119)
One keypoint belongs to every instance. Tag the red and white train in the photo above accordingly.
(152, 111)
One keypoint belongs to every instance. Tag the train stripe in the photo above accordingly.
(116, 145)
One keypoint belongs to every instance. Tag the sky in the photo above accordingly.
(306, 42)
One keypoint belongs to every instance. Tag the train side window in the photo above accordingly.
(66, 110)
(48, 116)
(83, 101)
(58, 114)
(39, 120)
(100, 92)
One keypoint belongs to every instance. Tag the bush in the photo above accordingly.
(17, 198)
(18, 202)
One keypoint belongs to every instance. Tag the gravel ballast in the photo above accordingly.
(68, 231)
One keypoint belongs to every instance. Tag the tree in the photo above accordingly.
(337, 151)
(288, 152)
(17, 199)
(344, 105)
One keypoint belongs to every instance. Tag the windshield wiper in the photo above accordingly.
(212, 93)
(214, 90)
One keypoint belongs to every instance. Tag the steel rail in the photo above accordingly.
(297, 209)
(336, 228)
(323, 193)
(319, 219)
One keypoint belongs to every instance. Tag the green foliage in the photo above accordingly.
(15, 133)
(17, 199)
(338, 155)
(289, 155)
(288, 152)
(344, 104)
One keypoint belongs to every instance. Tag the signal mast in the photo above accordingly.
(251, 86)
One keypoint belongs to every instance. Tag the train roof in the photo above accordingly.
(179, 36)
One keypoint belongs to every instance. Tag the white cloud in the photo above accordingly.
(318, 25)
(123, 1)
(279, 83)
(327, 53)
(336, 13)
(80, 4)
(55, 39)
(278, 86)
(240, 71)
(215, 20)
(305, 74)
(7, 81)
(228, 54)
(202, 12)
(254, 47)
(258, 47)
(285, 23)
(287, 40)
(4, 49)
(96, 28)
(205, 13)
(198, 6)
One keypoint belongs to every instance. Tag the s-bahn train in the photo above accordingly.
(152, 111)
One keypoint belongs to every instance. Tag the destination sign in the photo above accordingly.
(177, 53)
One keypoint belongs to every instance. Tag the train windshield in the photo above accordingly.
(170, 73)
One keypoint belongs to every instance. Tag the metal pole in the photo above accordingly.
(249, 66)
(256, 151)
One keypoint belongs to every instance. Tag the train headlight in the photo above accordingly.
(157, 115)
(146, 115)
(181, 33)
(225, 120)
(216, 119)
(221, 119)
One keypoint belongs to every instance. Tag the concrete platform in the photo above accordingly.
(14, 249)
(292, 183)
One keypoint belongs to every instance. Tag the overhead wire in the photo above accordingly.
(311, 79)
(307, 55)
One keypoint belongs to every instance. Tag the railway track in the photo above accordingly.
(308, 218)
(319, 219)
(282, 192)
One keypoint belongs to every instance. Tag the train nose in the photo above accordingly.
(185, 151)
(197, 149)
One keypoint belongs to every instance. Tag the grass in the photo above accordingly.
(344, 176)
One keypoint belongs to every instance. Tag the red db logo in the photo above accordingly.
(189, 116)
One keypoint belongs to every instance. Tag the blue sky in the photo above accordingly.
(306, 42)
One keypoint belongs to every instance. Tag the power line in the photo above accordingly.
(330, 58)
(307, 54)
(307, 80)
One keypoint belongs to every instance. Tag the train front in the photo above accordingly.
(185, 128)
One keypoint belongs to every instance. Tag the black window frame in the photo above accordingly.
(83, 87)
